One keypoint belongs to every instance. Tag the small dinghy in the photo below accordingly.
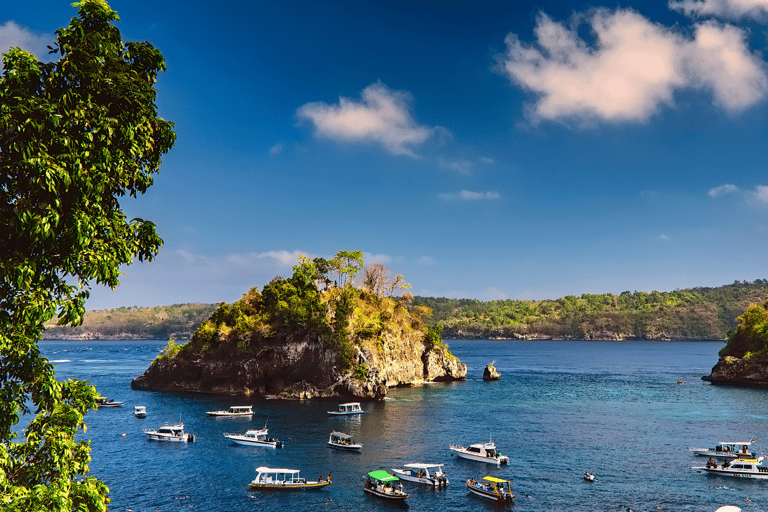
(589, 477)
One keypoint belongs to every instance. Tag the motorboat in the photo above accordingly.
(342, 441)
(741, 467)
(382, 484)
(255, 438)
(235, 411)
(492, 488)
(589, 477)
(726, 450)
(348, 408)
(284, 479)
(103, 401)
(482, 452)
(140, 411)
(430, 474)
(171, 433)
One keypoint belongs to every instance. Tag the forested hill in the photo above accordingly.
(692, 314)
(696, 313)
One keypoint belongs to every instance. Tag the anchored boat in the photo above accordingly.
(726, 450)
(430, 474)
(741, 467)
(481, 452)
(234, 411)
(342, 441)
(382, 484)
(140, 411)
(255, 438)
(171, 433)
(492, 488)
(103, 401)
(348, 408)
(284, 479)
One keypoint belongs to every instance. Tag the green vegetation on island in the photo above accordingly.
(751, 337)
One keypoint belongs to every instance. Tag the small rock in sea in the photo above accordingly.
(490, 372)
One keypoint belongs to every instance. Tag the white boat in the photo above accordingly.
(482, 452)
(255, 438)
(342, 441)
(382, 484)
(589, 477)
(140, 411)
(171, 433)
(430, 474)
(492, 488)
(284, 479)
(742, 467)
(234, 411)
(726, 450)
(103, 401)
(348, 408)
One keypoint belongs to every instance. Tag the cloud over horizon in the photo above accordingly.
(382, 116)
(14, 35)
(757, 9)
(468, 195)
(722, 190)
(633, 68)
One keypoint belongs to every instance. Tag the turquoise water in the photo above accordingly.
(626, 411)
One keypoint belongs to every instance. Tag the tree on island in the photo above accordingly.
(751, 337)
(76, 135)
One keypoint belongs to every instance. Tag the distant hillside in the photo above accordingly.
(178, 321)
(692, 314)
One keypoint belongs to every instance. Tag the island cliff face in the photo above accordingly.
(751, 372)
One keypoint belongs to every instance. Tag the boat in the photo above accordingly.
(255, 438)
(741, 467)
(382, 484)
(103, 401)
(235, 411)
(726, 450)
(342, 441)
(589, 477)
(172, 433)
(140, 411)
(273, 478)
(430, 474)
(348, 408)
(482, 452)
(492, 488)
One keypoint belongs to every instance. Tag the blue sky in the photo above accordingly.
(487, 150)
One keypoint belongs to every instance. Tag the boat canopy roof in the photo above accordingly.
(240, 408)
(341, 435)
(382, 476)
(732, 443)
(418, 465)
(494, 479)
(349, 404)
(263, 469)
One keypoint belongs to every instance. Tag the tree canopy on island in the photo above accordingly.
(76, 136)
(751, 337)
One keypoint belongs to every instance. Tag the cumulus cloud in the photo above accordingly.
(468, 195)
(382, 116)
(758, 197)
(632, 69)
(722, 190)
(463, 167)
(664, 237)
(277, 149)
(14, 35)
(722, 8)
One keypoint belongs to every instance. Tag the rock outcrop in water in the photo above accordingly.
(294, 341)
(750, 371)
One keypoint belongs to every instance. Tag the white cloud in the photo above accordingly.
(487, 160)
(723, 190)
(463, 167)
(382, 117)
(425, 260)
(14, 35)
(468, 195)
(758, 197)
(722, 8)
(277, 149)
(664, 237)
(633, 68)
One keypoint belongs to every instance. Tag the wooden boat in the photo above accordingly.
(284, 479)
(726, 450)
(430, 474)
(140, 411)
(481, 452)
(234, 411)
(103, 401)
(741, 467)
(342, 441)
(255, 438)
(382, 484)
(170, 433)
(492, 488)
(348, 408)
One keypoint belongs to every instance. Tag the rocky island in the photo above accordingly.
(310, 337)
(744, 359)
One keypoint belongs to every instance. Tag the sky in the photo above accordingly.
(482, 149)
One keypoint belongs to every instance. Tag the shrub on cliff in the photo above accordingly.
(751, 337)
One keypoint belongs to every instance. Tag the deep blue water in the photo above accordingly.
(560, 408)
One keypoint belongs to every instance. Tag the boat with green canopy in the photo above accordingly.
(382, 484)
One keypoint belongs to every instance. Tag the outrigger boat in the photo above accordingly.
(284, 479)
(741, 467)
(140, 411)
(233, 412)
(430, 474)
(172, 433)
(255, 438)
(103, 401)
(342, 441)
(382, 484)
(726, 450)
(348, 408)
(482, 452)
(492, 488)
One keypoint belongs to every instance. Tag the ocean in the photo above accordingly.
(625, 411)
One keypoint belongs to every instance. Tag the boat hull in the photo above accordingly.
(264, 444)
(704, 452)
(387, 496)
(735, 474)
(219, 414)
(434, 482)
(480, 458)
(288, 486)
(186, 438)
(346, 447)
(336, 413)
